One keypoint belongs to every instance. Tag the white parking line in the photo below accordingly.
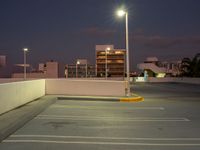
(115, 108)
(56, 117)
(105, 138)
(101, 143)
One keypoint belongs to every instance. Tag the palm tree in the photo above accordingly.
(191, 67)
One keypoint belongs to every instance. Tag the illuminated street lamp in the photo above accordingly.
(77, 63)
(106, 62)
(121, 13)
(25, 65)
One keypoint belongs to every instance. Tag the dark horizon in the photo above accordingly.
(67, 30)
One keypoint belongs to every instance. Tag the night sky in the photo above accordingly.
(64, 30)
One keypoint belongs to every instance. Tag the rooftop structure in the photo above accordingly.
(156, 68)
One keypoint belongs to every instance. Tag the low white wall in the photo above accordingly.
(15, 94)
(187, 80)
(172, 79)
(7, 80)
(85, 87)
(154, 79)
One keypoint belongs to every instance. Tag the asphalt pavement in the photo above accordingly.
(168, 118)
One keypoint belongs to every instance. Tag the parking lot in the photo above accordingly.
(168, 118)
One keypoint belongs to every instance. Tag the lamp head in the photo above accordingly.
(25, 49)
(121, 13)
(108, 48)
(78, 62)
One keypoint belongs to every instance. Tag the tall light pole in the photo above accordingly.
(106, 62)
(25, 65)
(122, 13)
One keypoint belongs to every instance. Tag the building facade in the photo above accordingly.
(81, 69)
(45, 70)
(2, 60)
(110, 61)
(156, 68)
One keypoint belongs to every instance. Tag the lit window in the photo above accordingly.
(118, 52)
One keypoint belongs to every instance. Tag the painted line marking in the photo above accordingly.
(100, 143)
(116, 108)
(106, 138)
(47, 117)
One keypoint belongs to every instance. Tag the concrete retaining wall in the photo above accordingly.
(187, 80)
(15, 94)
(85, 87)
(172, 79)
(7, 80)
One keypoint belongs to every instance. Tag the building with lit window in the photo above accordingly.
(49, 69)
(110, 61)
(81, 69)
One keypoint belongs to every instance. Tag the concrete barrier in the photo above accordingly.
(15, 94)
(7, 80)
(187, 80)
(169, 79)
(85, 87)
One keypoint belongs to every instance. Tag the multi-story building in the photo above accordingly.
(81, 69)
(110, 61)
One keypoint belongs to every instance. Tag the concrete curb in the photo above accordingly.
(133, 98)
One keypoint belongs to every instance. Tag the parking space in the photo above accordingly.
(157, 123)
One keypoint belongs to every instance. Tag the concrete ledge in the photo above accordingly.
(81, 87)
(133, 98)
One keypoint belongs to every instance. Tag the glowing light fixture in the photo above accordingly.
(121, 13)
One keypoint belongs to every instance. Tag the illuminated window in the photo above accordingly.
(118, 52)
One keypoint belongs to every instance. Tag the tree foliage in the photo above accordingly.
(191, 67)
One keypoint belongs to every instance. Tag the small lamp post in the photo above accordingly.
(77, 63)
(106, 62)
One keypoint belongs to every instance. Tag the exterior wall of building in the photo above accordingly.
(52, 69)
(80, 71)
(104, 47)
(2, 60)
(115, 60)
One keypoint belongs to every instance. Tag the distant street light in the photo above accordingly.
(77, 63)
(121, 13)
(86, 69)
(106, 62)
(25, 65)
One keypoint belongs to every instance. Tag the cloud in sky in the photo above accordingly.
(149, 41)
(158, 41)
(98, 32)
